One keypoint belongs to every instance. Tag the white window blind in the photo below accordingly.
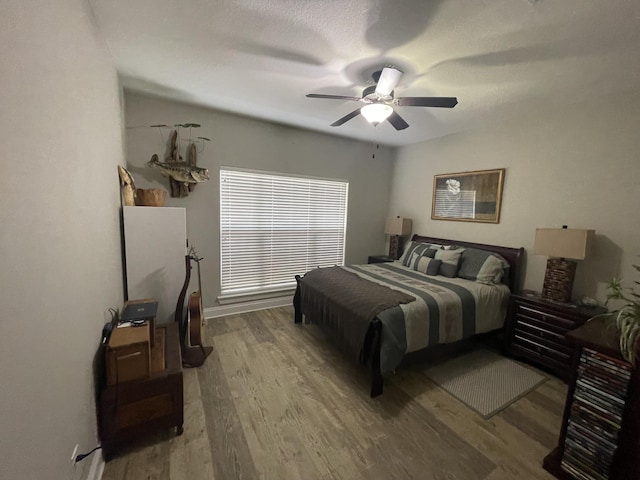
(273, 227)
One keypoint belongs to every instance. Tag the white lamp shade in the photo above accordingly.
(376, 112)
(398, 226)
(563, 242)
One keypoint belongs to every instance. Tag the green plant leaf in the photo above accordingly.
(615, 282)
(628, 316)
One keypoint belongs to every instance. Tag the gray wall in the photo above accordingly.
(248, 143)
(574, 165)
(60, 235)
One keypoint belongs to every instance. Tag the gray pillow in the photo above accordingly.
(482, 266)
(430, 252)
(413, 247)
(424, 264)
(450, 259)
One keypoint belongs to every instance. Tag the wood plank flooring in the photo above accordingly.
(276, 401)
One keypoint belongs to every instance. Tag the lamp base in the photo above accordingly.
(395, 246)
(558, 280)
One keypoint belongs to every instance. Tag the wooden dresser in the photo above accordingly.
(134, 409)
(600, 437)
(536, 330)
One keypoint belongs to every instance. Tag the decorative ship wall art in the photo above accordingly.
(183, 175)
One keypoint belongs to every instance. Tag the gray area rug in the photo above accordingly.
(485, 381)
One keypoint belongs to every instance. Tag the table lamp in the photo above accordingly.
(397, 227)
(563, 245)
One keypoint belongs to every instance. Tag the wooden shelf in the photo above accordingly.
(133, 410)
(602, 411)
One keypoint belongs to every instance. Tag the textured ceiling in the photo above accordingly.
(260, 57)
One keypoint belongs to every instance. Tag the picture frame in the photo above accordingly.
(468, 196)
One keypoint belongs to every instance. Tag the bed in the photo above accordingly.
(439, 291)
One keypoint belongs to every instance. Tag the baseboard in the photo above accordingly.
(244, 307)
(97, 467)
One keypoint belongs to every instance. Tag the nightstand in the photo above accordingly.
(132, 410)
(379, 259)
(536, 330)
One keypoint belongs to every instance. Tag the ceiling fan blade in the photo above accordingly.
(397, 121)
(334, 97)
(346, 118)
(389, 78)
(444, 102)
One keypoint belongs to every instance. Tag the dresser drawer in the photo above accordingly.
(538, 348)
(536, 330)
(554, 322)
(556, 331)
(545, 337)
(560, 368)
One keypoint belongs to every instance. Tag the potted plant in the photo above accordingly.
(627, 317)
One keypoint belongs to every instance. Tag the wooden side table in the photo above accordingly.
(599, 436)
(379, 259)
(132, 410)
(536, 330)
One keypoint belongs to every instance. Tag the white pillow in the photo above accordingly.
(450, 260)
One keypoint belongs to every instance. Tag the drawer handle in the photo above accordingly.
(124, 357)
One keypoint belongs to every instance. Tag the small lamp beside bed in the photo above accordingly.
(397, 227)
(563, 246)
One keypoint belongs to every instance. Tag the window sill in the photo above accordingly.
(232, 298)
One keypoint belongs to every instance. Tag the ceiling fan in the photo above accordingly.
(379, 99)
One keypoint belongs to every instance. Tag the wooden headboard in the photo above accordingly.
(512, 255)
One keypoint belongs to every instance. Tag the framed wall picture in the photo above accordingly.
(468, 196)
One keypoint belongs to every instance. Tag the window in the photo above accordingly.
(273, 227)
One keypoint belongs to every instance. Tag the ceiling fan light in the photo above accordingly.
(376, 112)
(389, 78)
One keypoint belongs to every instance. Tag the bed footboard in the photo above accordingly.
(297, 313)
(377, 380)
(372, 344)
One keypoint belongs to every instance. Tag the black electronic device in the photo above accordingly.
(106, 332)
(139, 311)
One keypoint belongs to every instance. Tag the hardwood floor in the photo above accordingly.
(276, 401)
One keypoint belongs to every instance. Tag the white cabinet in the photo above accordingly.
(155, 240)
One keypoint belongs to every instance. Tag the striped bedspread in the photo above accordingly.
(445, 310)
